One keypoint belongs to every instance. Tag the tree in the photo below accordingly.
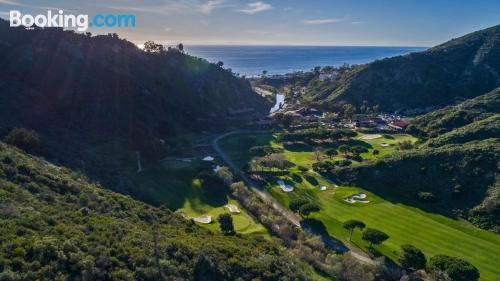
(353, 224)
(180, 47)
(405, 145)
(331, 152)
(220, 64)
(295, 204)
(225, 175)
(286, 120)
(344, 149)
(412, 258)
(318, 151)
(306, 209)
(25, 139)
(375, 152)
(457, 269)
(226, 224)
(374, 236)
(349, 110)
(264, 72)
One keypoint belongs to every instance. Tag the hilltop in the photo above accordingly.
(459, 69)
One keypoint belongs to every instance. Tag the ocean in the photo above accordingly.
(252, 60)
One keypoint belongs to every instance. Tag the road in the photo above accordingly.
(285, 212)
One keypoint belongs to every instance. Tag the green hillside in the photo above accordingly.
(458, 69)
(58, 226)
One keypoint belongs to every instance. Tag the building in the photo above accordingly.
(398, 124)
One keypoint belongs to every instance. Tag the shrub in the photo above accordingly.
(412, 258)
(457, 269)
(25, 139)
(426, 197)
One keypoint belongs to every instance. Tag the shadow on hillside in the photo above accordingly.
(298, 147)
(317, 227)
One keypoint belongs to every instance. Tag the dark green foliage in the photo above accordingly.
(225, 175)
(212, 184)
(25, 139)
(226, 224)
(445, 120)
(273, 161)
(457, 269)
(264, 150)
(331, 152)
(405, 145)
(412, 258)
(353, 224)
(426, 196)
(295, 204)
(374, 236)
(58, 226)
(461, 68)
(308, 208)
(309, 135)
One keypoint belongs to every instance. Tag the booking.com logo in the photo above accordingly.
(79, 22)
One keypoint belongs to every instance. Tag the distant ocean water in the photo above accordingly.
(252, 60)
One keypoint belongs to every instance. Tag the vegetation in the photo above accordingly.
(374, 236)
(457, 269)
(350, 225)
(226, 224)
(412, 258)
(57, 225)
(27, 140)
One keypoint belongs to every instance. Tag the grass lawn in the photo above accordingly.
(432, 233)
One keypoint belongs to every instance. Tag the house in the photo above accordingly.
(398, 124)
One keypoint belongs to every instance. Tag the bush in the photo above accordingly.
(25, 139)
(412, 258)
(457, 269)
(426, 197)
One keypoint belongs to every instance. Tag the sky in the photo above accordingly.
(283, 22)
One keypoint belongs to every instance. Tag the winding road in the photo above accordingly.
(286, 213)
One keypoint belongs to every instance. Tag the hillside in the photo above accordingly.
(58, 226)
(79, 92)
(455, 180)
(444, 120)
(106, 85)
(458, 69)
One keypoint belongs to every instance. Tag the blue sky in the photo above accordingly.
(285, 22)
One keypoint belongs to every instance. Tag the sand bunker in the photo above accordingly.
(203, 219)
(384, 144)
(216, 169)
(322, 187)
(371, 137)
(208, 158)
(233, 208)
(284, 187)
(356, 198)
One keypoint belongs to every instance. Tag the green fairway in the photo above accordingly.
(432, 233)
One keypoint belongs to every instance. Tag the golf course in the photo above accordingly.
(432, 233)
